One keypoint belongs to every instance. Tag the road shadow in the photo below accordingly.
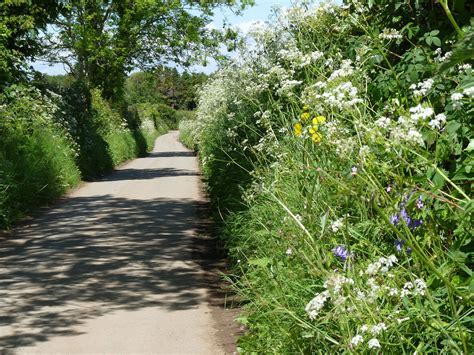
(91, 256)
(172, 154)
(146, 174)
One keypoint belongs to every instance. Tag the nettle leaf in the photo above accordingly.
(262, 262)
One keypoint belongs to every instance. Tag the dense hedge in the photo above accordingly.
(339, 150)
(49, 141)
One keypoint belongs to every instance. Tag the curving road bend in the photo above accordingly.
(109, 270)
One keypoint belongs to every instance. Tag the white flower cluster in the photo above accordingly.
(383, 122)
(438, 121)
(421, 89)
(382, 265)
(390, 33)
(415, 288)
(442, 58)
(147, 125)
(457, 97)
(466, 68)
(337, 224)
(333, 286)
(420, 112)
(287, 86)
(296, 58)
(342, 97)
(374, 330)
(345, 70)
(316, 304)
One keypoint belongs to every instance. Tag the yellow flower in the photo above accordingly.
(319, 120)
(298, 129)
(305, 108)
(313, 129)
(316, 137)
(305, 116)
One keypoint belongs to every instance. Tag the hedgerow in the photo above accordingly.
(338, 151)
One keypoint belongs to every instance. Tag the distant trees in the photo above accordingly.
(100, 41)
(165, 85)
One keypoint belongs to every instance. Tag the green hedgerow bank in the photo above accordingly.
(48, 144)
(339, 151)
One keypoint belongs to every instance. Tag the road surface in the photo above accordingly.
(109, 270)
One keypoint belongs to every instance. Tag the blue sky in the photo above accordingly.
(260, 12)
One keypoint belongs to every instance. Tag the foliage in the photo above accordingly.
(19, 26)
(342, 164)
(164, 85)
(37, 156)
(101, 41)
(186, 134)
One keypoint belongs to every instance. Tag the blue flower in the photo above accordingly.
(399, 244)
(419, 203)
(341, 252)
(395, 219)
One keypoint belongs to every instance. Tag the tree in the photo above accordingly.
(100, 41)
(20, 23)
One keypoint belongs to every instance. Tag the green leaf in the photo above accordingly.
(262, 262)
(470, 146)
(437, 41)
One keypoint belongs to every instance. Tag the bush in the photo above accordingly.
(37, 156)
(186, 134)
(184, 115)
(168, 115)
(342, 164)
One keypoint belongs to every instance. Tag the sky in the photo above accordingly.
(260, 12)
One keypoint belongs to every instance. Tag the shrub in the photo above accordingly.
(168, 115)
(186, 134)
(342, 164)
(37, 155)
(184, 115)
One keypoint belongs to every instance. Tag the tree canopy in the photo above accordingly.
(100, 41)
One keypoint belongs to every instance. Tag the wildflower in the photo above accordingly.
(316, 304)
(419, 203)
(373, 343)
(456, 99)
(315, 136)
(469, 92)
(406, 291)
(399, 244)
(456, 96)
(419, 112)
(378, 328)
(337, 224)
(420, 287)
(298, 129)
(383, 122)
(305, 116)
(401, 320)
(319, 120)
(392, 292)
(341, 252)
(388, 189)
(357, 340)
(364, 328)
(354, 171)
(421, 89)
(289, 251)
(390, 33)
(438, 121)
(335, 283)
(395, 219)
